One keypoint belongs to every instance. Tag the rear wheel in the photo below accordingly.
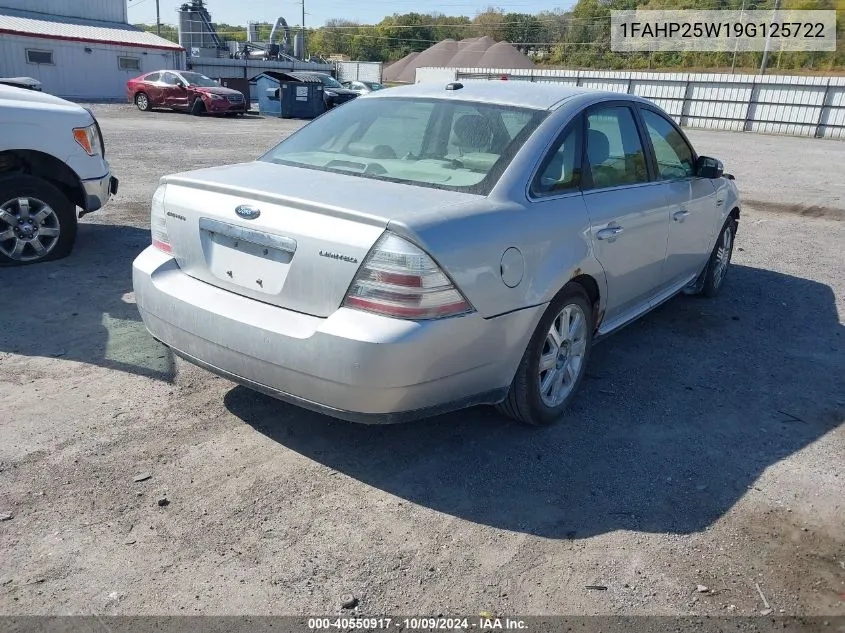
(555, 361)
(37, 221)
(142, 101)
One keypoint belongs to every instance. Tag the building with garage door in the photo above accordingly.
(79, 49)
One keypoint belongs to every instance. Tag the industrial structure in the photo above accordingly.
(83, 50)
(199, 38)
(212, 55)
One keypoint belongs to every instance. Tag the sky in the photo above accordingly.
(318, 11)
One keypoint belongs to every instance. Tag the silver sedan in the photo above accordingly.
(432, 247)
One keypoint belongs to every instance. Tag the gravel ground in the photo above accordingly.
(706, 447)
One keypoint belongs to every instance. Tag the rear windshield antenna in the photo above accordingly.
(455, 85)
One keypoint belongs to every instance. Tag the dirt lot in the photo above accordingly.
(706, 448)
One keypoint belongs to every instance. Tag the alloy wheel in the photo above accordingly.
(29, 229)
(562, 355)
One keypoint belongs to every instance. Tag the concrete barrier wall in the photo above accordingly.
(772, 104)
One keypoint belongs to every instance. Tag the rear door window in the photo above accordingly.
(614, 150)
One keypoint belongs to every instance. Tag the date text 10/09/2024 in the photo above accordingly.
(479, 623)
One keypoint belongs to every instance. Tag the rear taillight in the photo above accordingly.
(158, 224)
(399, 279)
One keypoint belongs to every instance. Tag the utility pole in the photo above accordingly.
(768, 38)
(158, 19)
(736, 46)
(303, 30)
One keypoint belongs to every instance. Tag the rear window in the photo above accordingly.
(444, 144)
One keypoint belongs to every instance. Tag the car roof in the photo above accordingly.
(525, 94)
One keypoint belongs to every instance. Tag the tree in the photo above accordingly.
(413, 31)
(490, 23)
(520, 29)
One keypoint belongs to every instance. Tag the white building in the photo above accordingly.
(80, 49)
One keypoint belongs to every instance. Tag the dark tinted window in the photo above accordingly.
(561, 170)
(129, 63)
(39, 57)
(674, 156)
(614, 151)
(329, 82)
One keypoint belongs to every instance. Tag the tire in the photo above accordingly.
(524, 401)
(142, 102)
(43, 228)
(197, 107)
(720, 260)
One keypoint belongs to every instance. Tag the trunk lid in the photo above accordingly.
(302, 248)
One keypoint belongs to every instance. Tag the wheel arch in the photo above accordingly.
(591, 287)
(47, 167)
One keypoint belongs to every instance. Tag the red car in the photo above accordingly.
(182, 90)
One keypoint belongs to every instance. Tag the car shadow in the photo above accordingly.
(679, 415)
(81, 308)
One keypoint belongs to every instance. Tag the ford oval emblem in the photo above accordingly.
(246, 212)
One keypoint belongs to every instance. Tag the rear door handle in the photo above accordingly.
(680, 216)
(610, 233)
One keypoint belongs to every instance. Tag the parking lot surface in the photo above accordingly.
(701, 470)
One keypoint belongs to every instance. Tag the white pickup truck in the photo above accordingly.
(52, 160)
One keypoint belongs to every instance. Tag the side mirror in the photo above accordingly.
(181, 84)
(707, 167)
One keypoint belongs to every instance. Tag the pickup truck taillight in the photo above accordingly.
(399, 279)
(158, 224)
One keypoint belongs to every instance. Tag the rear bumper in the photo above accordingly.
(352, 365)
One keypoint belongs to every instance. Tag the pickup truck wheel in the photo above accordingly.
(143, 102)
(554, 363)
(37, 221)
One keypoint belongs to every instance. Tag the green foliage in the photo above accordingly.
(168, 31)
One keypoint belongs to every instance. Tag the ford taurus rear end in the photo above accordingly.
(292, 276)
